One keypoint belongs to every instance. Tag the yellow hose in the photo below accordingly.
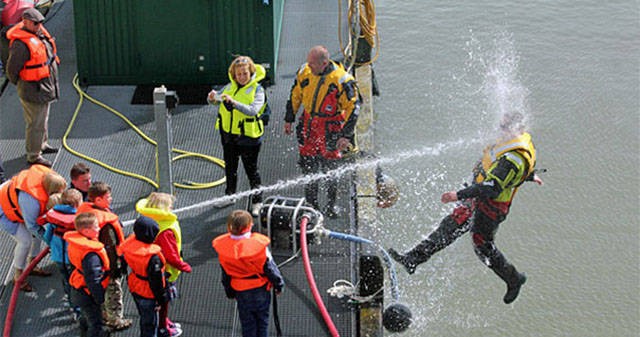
(182, 153)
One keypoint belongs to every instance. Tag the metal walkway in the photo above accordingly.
(203, 309)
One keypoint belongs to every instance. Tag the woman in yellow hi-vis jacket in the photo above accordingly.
(243, 112)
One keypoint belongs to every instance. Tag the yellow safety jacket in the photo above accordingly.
(331, 107)
(166, 221)
(235, 122)
(521, 152)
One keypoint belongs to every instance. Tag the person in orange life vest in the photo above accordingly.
(59, 221)
(158, 207)
(33, 67)
(248, 272)
(90, 275)
(81, 179)
(485, 204)
(331, 103)
(146, 280)
(23, 200)
(111, 235)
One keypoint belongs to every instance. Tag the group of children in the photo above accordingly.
(88, 245)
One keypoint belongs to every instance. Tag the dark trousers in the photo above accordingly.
(483, 233)
(253, 309)
(249, 155)
(90, 314)
(65, 272)
(318, 164)
(148, 316)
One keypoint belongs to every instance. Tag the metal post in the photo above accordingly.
(163, 102)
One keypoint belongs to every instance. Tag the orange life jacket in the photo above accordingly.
(79, 247)
(137, 254)
(37, 67)
(243, 260)
(63, 222)
(28, 181)
(104, 217)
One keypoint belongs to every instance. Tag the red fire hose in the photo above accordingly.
(311, 279)
(8, 321)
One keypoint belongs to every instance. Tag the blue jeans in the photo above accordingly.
(148, 316)
(90, 314)
(253, 309)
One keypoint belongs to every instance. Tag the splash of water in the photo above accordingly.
(336, 173)
(500, 89)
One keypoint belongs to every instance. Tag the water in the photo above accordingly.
(447, 72)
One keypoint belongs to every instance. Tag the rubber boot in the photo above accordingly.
(512, 278)
(411, 259)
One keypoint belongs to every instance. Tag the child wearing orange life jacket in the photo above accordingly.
(248, 272)
(111, 235)
(146, 280)
(59, 220)
(91, 274)
(158, 207)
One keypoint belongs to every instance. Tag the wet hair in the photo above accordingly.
(98, 189)
(513, 122)
(79, 169)
(54, 199)
(160, 200)
(241, 61)
(238, 222)
(53, 183)
(71, 197)
(85, 220)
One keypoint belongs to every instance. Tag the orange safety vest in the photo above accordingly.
(37, 67)
(79, 247)
(63, 222)
(243, 260)
(28, 181)
(104, 217)
(137, 254)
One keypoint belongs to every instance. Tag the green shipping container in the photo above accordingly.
(151, 42)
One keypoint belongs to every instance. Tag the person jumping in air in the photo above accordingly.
(485, 204)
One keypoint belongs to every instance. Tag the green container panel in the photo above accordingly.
(124, 42)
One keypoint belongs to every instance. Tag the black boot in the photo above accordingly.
(419, 254)
(514, 280)
(513, 288)
(404, 260)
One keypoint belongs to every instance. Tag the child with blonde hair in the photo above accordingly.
(158, 206)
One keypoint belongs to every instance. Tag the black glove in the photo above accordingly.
(265, 119)
(228, 104)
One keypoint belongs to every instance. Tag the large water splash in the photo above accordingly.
(501, 90)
